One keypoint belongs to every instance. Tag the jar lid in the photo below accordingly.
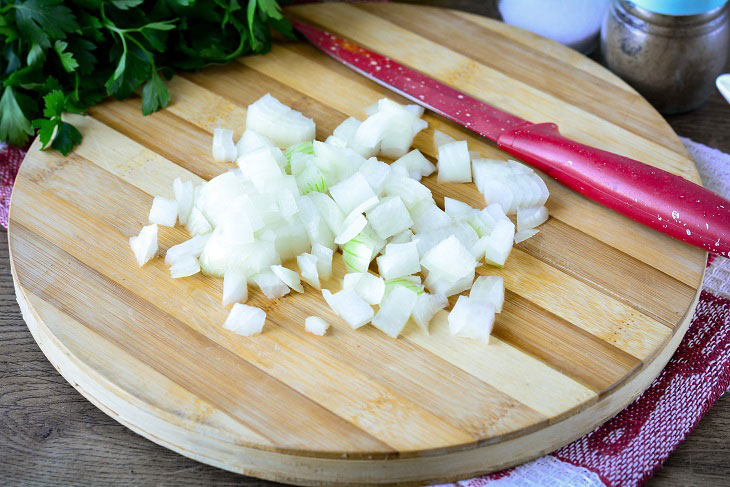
(679, 7)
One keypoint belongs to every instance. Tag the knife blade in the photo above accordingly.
(656, 198)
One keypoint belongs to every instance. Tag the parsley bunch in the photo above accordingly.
(72, 54)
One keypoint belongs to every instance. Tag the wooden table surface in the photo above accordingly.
(51, 435)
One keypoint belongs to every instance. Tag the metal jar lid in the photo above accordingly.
(679, 7)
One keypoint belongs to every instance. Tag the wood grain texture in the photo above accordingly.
(498, 410)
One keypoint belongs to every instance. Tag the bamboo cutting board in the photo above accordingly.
(596, 304)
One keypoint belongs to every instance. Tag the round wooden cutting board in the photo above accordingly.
(596, 304)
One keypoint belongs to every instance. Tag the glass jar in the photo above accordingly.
(671, 56)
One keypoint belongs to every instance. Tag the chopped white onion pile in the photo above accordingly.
(293, 197)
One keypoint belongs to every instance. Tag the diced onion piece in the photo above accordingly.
(215, 196)
(480, 248)
(250, 141)
(332, 140)
(291, 239)
(187, 266)
(415, 110)
(245, 320)
(235, 228)
(369, 287)
(450, 258)
(279, 123)
(500, 243)
(190, 248)
(428, 240)
(395, 309)
(465, 233)
(489, 289)
(329, 210)
(415, 162)
(426, 308)
(270, 284)
(456, 209)
(403, 237)
(352, 227)
(399, 260)
(357, 254)
(316, 325)
(317, 229)
(496, 211)
(528, 218)
(522, 235)
(391, 123)
(184, 197)
(144, 245)
(213, 258)
(163, 211)
(235, 287)
(287, 202)
(197, 223)
(346, 130)
(411, 282)
(223, 148)
(308, 269)
(446, 284)
(349, 306)
(427, 216)
(336, 163)
(472, 319)
(261, 166)
(454, 164)
(395, 144)
(481, 221)
(376, 173)
(299, 148)
(409, 190)
(252, 258)
(354, 193)
(440, 138)
(324, 260)
(288, 277)
(299, 162)
(389, 217)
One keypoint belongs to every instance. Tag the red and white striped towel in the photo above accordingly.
(629, 448)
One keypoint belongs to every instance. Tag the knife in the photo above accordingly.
(646, 194)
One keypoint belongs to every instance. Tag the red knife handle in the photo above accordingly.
(656, 198)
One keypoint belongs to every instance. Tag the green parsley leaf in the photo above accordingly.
(61, 135)
(126, 4)
(55, 103)
(67, 59)
(36, 53)
(270, 8)
(154, 95)
(42, 20)
(45, 130)
(67, 137)
(14, 126)
(132, 71)
(81, 49)
(251, 16)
